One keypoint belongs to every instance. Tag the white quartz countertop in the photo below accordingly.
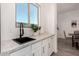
(9, 46)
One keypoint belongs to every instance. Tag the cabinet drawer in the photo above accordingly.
(36, 45)
(23, 52)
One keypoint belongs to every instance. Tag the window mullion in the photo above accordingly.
(22, 11)
(28, 14)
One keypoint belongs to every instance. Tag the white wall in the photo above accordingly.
(65, 20)
(49, 20)
(8, 29)
(49, 17)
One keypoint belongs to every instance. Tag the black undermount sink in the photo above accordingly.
(23, 40)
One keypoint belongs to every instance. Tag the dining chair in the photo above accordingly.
(66, 41)
(76, 38)
(65, 35)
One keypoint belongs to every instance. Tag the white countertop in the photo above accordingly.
(9, 46)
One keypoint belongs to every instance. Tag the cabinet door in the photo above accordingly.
(55, 43)
(52, 43)
(36, 49)
(50, 47)
(45, 50)
(36, 52)
(23, 52)
(45, 47)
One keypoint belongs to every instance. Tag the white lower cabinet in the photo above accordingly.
(45, 50)
(42, 48)
(36, 49)
(52, 43)
(45, 47)
(23, 52)
(36, 52)
(50, 46)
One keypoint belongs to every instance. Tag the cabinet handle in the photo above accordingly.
(43, 49)
(33, 54)
(49, 45)
(52, 37)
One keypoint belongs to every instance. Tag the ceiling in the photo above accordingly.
(65, 7)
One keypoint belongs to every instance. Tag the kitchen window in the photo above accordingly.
(27, 13)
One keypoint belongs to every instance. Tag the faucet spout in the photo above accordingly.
(21, 30)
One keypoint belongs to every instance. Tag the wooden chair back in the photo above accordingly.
(65, 35)
(76, 36)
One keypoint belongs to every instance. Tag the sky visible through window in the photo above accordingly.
(33, 14)
(22, 13)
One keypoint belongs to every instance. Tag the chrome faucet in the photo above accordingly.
(21, 30)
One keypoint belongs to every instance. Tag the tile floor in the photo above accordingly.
(65, 48)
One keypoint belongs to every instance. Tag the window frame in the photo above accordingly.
(38, 15)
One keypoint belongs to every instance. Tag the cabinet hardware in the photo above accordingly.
(33, 54)
(43, 49)
(49, 45)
